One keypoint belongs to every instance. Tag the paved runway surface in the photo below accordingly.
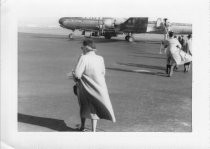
(143, 97)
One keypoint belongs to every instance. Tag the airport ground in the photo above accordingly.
(144, 99)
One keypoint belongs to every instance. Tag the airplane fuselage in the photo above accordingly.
(109, 27)
(74, 23)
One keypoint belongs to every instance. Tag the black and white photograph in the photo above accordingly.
(105, 71)
(134, 72)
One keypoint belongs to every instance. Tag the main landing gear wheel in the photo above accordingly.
(126, 38)
(129, 38)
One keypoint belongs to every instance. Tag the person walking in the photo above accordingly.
(166, 26)
(166, 29)
(188, 49)
(175, 56)
(92, 92)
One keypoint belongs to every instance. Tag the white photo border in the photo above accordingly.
(198, 138)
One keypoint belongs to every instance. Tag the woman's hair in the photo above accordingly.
(171, 34)
(89, 42)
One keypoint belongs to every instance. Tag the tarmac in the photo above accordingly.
(144, 99)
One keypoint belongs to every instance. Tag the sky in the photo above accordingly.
(47, 12)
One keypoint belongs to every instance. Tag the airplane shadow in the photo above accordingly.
(148, 73)
(143, 66)
(80, 38)
(55, 124)
(103, 40)
(149, 57)
(148, 53)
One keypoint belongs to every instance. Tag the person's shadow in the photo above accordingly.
(55, 124)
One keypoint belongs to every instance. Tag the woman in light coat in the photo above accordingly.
(175, 55)
(188, 50)
(92, 92)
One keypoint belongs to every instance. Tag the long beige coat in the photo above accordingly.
(92, 89)
(180, 57)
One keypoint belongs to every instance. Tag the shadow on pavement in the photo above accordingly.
(142, 66)
(103, 40)
(141, 72)
(153, 57)
(148, 53)
(54, 124)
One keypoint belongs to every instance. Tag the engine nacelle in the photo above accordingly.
(108, 23)
(119, 21)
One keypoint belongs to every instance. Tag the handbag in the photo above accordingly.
(75, 85)
(75, 89)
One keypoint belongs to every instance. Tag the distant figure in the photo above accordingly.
(92, 92)
(175, 67)
(175, 56)
(182, 40)
(188, 49)
(166, 25)
(189, 44)
(179, 39)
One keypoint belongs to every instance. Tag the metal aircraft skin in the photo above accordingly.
(111, 27)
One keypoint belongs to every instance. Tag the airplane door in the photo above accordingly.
(135, 25)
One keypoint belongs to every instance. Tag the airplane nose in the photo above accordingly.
(61, 20)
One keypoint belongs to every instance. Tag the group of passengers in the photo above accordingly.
(178, 52)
